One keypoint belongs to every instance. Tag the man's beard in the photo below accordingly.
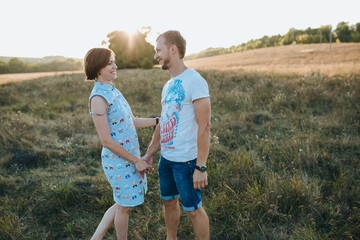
(165, 65)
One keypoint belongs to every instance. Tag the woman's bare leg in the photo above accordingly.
(106, 222)
(121, 221)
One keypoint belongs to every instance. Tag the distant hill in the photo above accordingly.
(292, 59)
(40, 60)
(209, 52)
(324, 34)
(45, 64)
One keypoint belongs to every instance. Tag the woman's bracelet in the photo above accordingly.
(157, 119)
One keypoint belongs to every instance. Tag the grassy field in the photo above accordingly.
(284, 159)
(295, 59)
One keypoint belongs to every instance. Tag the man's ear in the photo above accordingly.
(173, 49)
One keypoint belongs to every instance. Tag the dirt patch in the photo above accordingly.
(295, 59)
(16, 77)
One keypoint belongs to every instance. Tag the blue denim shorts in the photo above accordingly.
(176, 179)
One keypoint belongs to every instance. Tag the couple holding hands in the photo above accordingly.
(182, 133)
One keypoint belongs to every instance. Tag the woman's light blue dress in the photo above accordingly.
(127, 184)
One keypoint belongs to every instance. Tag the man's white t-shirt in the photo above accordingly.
(178, 127)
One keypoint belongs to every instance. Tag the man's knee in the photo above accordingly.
(171, 203)
(197, 212)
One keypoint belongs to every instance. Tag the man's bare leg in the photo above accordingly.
(172, 218)
(200, 223)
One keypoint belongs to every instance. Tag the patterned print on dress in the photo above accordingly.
(127, 175)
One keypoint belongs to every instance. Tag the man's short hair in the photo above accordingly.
(174, 37)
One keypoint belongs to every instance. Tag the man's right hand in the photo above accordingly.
(148, 159)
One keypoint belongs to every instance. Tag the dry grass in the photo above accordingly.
(296, 59)
(283, 163)
(16, 77)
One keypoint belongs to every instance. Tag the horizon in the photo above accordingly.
(56, 29)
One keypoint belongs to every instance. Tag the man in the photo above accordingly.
(184, 137)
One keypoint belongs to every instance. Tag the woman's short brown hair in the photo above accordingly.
(174, 37)
(96, 59)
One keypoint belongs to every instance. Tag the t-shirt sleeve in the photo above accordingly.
(199, 88)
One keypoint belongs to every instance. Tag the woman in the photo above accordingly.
(115, 125)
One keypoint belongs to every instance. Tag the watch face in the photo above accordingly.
(201, 168)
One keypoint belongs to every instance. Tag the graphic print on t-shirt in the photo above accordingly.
(171, 107)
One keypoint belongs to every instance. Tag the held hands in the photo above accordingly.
(145, 163)
(200, 179)
(148, 159)
(143, 167)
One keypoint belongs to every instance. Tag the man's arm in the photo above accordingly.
(154, 146)
(202, 108)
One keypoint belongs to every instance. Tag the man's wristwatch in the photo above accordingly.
(201, 168)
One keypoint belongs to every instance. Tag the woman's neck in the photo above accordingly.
(101, 80)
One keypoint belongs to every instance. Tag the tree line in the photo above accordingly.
(15, 65)
(324, 34)
(134, 51)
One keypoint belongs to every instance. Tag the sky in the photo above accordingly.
(38, 28)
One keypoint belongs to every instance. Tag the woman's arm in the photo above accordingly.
(145, 122)
(99, 106)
